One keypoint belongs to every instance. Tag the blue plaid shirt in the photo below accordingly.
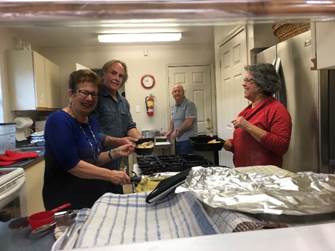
(114, 117)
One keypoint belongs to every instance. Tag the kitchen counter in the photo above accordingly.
(18, 239)
(312, 237)
(31, 194)
(29, 162)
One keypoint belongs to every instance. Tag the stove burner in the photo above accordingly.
(169, 163)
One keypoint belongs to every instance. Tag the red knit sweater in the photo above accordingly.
(271, 116)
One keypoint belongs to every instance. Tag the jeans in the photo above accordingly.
(184, 147)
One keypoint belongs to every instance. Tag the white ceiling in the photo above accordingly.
(67, 35)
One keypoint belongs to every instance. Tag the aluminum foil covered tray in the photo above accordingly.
(254, 192)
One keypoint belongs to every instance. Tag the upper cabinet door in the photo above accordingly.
(324, 44)
(33, 80)
(52, 81)
(41, 85)
(21, 79)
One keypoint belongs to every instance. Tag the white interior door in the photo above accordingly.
(196, 81)
(230, 98)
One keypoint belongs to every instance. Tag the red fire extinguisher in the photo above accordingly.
(150, 103)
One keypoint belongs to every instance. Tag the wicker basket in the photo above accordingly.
(287, 30)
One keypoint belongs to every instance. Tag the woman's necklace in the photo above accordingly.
(92, 141)
(94, 145)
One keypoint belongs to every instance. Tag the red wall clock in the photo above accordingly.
(148, 81)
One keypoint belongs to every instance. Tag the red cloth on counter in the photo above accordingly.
(10, 157)
(273, 117)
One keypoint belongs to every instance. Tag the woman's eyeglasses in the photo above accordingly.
(249, 80)
(85, 94)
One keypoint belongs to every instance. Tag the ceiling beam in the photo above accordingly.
(165, 11)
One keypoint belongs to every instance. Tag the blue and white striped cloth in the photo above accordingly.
(119, 219)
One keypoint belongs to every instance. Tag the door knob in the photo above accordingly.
(209, 124)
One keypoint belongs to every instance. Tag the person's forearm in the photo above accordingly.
(113, 141)
(135, 133)
(87, 170)
(186, 125)
(275, 142)
(256, 132)
(170, 130)
(107, 156)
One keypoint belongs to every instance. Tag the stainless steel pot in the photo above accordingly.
(150, 133)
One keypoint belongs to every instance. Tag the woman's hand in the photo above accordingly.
(119, 177)
(228, 145)
(122, 151)
(256, 132)
(240, 122)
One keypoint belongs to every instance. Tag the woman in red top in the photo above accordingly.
(263, 129)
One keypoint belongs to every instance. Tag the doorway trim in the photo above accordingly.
(212, 84)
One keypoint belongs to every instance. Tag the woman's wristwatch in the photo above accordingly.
(110, 154)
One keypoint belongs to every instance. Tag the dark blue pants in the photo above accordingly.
(184, 147)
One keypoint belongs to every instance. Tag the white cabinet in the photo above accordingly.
(52, 78)
(324, 39)
(33, 80)
(31, 200)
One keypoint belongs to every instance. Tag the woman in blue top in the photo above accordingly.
(73, 149)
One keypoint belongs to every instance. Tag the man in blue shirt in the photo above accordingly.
(113, 111)
(183, 124)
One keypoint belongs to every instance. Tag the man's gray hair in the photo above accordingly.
(178, 85)
(265, 77)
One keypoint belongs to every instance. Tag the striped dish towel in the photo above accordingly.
(120, 219)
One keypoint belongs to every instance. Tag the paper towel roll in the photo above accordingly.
(23, 122)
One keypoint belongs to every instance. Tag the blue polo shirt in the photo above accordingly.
(179, 113)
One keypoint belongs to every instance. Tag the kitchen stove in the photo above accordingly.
(169, 163)
(11, 181)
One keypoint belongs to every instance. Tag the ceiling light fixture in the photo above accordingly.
(139, 37)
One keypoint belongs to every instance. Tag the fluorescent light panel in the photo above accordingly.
(139, 37)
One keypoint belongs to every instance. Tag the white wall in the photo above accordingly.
(6, 42)
(156, 64)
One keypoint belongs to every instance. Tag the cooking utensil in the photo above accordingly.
(69, 232)
(22, 222)
(200, 143)
(65, 218)
(42, 230)
(150, 133)
(41, 218)
(144, 151)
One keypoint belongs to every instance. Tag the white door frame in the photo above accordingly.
(225, 157)
(213, 90)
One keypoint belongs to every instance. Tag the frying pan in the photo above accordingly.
(46, 217)
(144, 151)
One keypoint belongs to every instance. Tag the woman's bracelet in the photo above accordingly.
(110, 154)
